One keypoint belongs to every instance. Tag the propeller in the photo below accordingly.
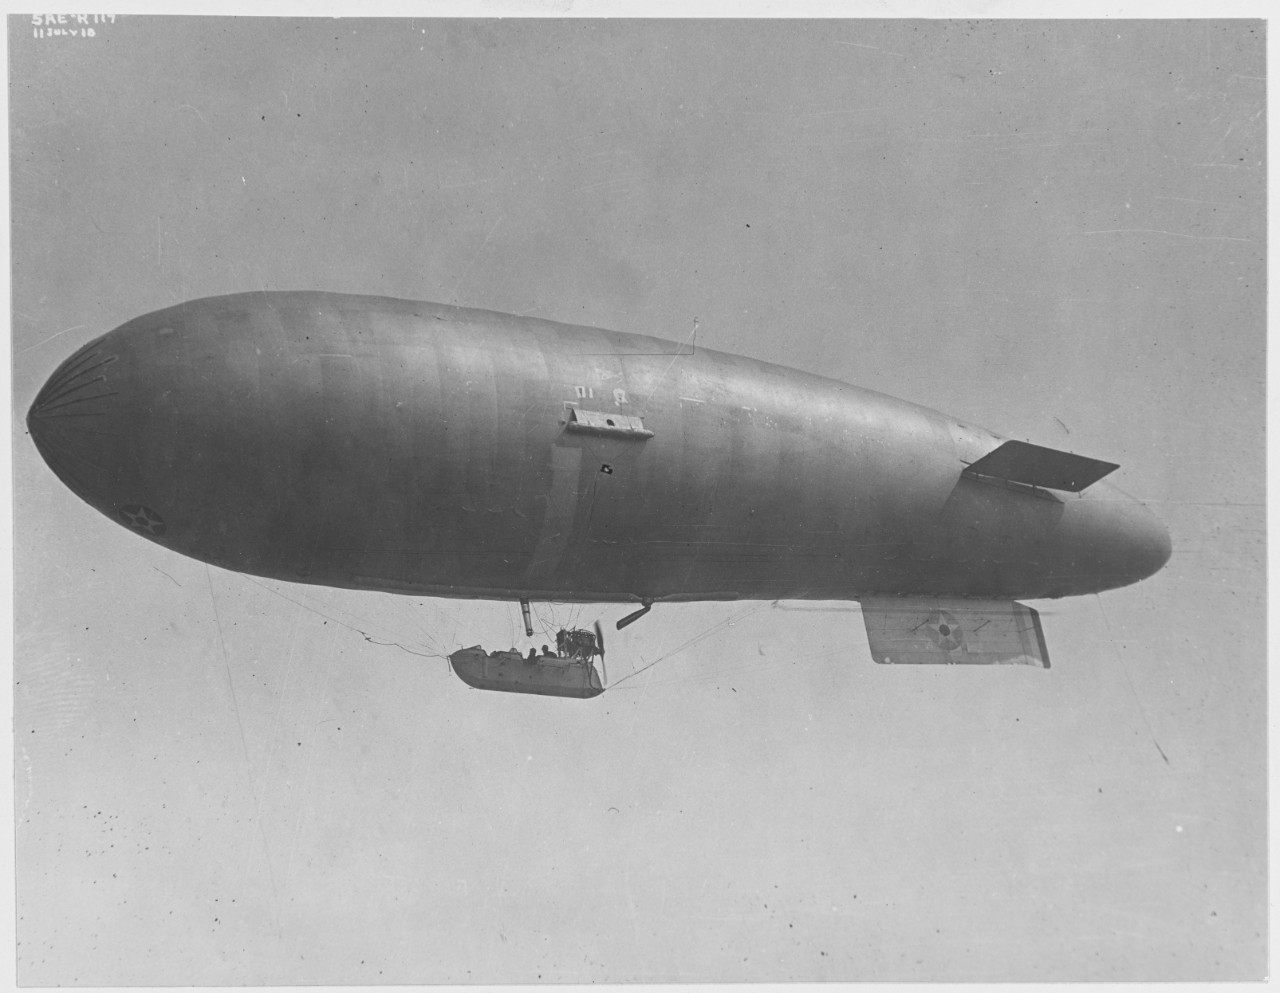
(604, 676)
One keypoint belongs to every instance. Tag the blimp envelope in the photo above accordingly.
(955, 631)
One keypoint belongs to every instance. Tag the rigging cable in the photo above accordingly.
(1137, 702)
(351, 627)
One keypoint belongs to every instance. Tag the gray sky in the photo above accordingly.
(1053, 229)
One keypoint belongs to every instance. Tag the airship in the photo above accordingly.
(369, 443)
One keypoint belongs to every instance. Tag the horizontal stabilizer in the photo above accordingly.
(941, 631)
(1021, 462)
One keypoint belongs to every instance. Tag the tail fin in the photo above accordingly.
(1022, 462)
(953, 631)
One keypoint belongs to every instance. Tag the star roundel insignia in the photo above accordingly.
(142, 519)
(944, 632)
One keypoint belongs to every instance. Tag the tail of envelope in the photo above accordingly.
(943, 631)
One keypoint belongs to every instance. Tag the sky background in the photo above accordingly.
(1053, 229)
